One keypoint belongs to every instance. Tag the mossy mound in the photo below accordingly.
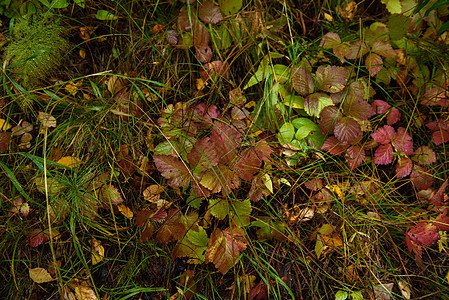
(35, 49)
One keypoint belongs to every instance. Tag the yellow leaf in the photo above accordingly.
(40, 275)
(83, 292)
(69, 161)
(200, 84)
(328, 17)
(126, 211)
(72, 87)
(97, 251)
(4, 125)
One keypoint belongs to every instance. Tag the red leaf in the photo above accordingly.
(440, 137)
(383, 48)
(334, 146)
(347, 130)
(402, 142)
(424, 233)
(209, 13)
(226, 140)
(404, 167)
(249, 164)
(437, 197)
(160, 214)
(374, 63)
(328, 117)
(442, 221)
(173, 169)
(415, 248)
(383, 154)
(224, 247)
(201, 37)
(184, 22)
(147, 233)
(384, 135)
(355, 156)
(380, 106)
(314, 184)
(420, 178)
(331, 79)
(203, 155)
(173, 228)
(37, 237)
(393, 116)
(303, 82)
(142, 216)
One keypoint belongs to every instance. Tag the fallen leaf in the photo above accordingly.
(126, 211)
(69, 161)
(97, 251)
(40, 275)
(47, 120)
(405, 289)
(4, 125)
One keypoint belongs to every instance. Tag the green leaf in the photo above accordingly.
(229, 7)
(192, 245)
(393, 6)
(81, 3)
(281, 73)
(219, 208)
(286, 133)
(315, 103)
(239, 212)
(104, 15)
(398, 25)
(341, 295)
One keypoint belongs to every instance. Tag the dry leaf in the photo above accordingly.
(72, 87)
(405, 289)
(40, 275)
(82, 53)
(115, 84)
(69, 161)
(97, 251)
(83, 292)
(126, 211)
(46, 119)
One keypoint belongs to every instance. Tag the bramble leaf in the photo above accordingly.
(224, 247)
(329, 116)
(358, 49)
(384, 135)
(374, 63)
(383, 48)
(404, 167)
(424, 233)
(424, 155)
(226, 140)
(303, 82)
(347, 130)
(334, 146)
(192, 245)
(286, 133)
(360, 110)
(330, 40)
(402, 142)
(355, 156)
(421, 178)
(437, 197)
(220, 177)
(209, 13)
(314, 103)
(383, 154)
(380, 106)
(173, 169)
(331, 79)
(203, 155)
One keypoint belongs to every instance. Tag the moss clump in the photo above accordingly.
(35, 49)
